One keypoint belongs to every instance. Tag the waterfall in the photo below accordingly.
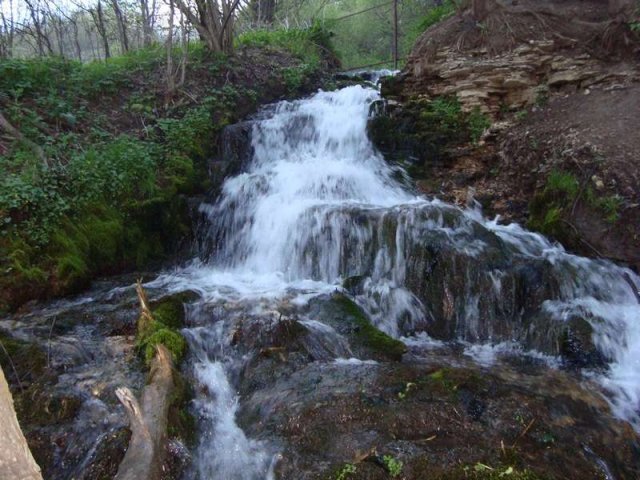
(318, 206)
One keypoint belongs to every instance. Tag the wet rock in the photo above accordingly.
(577, 345)
(348, 319)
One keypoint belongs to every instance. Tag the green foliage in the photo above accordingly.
(309, 45)
(174, 342)
(478, 122)
(190, 134)
(346, 471)
(436, 14)
(550, 210)
(393, 466)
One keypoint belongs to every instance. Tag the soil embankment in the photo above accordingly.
(559, 83)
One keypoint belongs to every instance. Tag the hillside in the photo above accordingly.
(557, 83)
(98, 161)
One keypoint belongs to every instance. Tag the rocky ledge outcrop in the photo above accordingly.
(559, 83)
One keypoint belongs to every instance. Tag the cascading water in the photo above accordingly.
(318, 206)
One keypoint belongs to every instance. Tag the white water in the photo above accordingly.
(316, 207)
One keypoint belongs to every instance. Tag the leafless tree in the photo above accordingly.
(263, 11)
(121, 23)
(99, 21)
(7, 32)
(37, 27)
(148, 18)
(214, 20)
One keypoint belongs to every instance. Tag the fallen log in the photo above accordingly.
(148, 421)
(16, 461)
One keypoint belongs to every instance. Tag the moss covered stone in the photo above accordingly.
(367, 333)
(171, 339)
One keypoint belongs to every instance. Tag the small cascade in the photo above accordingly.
(317, 209)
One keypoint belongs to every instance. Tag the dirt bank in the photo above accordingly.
(560, 85)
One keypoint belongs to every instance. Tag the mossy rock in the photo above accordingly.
(170, 310)
(366, 333)
(175, 343)
(182, 424)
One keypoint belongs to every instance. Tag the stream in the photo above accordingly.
(317, 234)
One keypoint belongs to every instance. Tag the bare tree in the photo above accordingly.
(214, 20)
(7, 32)
(37, 28)
(121, 23)
(263, 11)
(176, 76)
(147, 16)
(98, 19)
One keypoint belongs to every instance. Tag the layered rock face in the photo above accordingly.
(512, 80)
(559, 82)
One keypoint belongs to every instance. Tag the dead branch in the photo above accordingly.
(148, 421)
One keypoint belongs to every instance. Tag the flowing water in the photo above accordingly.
(318, 210)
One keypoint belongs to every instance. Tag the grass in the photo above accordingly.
(551, 210)
(120, 157)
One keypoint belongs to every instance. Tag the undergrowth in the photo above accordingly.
(97, 183)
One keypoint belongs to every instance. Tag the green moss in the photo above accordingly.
(181, 424)
(369, 335)
(423, 132)
(550, 208)
(170, 310)
(171, 339)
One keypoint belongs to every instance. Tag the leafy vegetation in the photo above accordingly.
(552, 208)
(426, 130)
(95, 182)
(393, 466)
(346, 471)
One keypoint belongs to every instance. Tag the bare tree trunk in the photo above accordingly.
(76, 38)
(171, 85)
(148, 419)
(121, 25)
(213, 20)
(185, 50)
(16, 461)
(147, 28)
(7, 32)
(98, 19)
(479, 9)
(42, 40)
(621, 9)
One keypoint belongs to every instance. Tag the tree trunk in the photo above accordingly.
(479, 9)
(122, 26)
(16, 461)
(621, 9)
(98, 19)
(147, 29)
(171, 81)
(148, 419)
